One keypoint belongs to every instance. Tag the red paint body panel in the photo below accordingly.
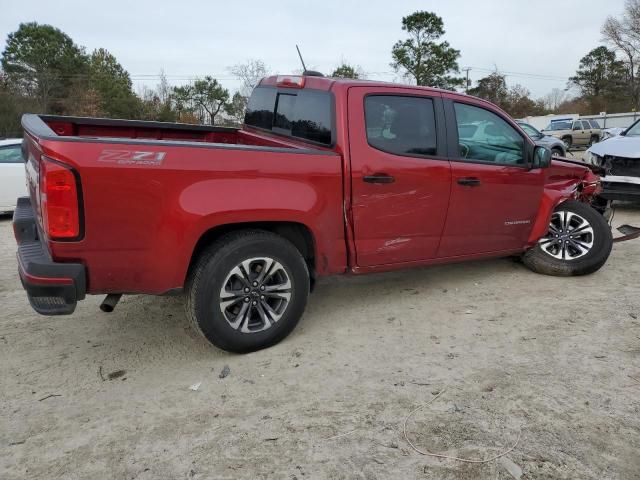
(145, 210)
(397, 222)
(494, 216)
(562, 181)
(142, 222)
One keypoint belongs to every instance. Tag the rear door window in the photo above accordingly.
(586, 125)
(401, 125)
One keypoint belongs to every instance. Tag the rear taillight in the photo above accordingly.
(59, 201)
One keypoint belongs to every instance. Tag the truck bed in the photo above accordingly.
(104, 128)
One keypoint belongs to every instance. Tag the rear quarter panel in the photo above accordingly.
(144, 217)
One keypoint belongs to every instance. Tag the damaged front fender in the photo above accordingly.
(565, 180)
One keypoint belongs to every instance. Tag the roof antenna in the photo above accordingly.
(304, 67)
(305, 72)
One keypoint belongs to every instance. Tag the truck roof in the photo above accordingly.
(330, 83)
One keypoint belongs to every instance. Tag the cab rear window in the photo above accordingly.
(305, 114)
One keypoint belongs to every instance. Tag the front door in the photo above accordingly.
(580, 135)
(494, 195)
(401, 178)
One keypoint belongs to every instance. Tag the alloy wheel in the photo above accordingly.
(570, 236)
(255, 294)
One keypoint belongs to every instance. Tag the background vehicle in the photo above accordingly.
(619, 156)
(554, 144)
(576, 133)
(611, 132)
(326, 176)
(12, 181)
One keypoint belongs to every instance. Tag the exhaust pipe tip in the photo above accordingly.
(110, 302)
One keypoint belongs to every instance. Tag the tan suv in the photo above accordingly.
(576, 133)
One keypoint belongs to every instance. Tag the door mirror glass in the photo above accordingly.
(541, 157)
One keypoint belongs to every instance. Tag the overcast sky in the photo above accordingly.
(538, 42)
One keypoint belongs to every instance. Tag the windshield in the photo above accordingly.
(529, 130)
(559, 126)
(634, 130)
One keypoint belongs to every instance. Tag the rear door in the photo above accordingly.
(12, 176)
(401, 178)
(589, 130)
(579, 133)
(494, 195)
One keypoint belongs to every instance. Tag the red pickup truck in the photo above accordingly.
(326, 176)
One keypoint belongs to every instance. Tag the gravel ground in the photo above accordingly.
(553, 363)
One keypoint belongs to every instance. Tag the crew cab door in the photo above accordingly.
(494, 195)
(400, 176)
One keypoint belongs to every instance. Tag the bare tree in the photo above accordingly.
(555, 98)
(624, 35)
(249, 73)
(163, 88)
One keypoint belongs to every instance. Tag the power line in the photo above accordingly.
(538, 76)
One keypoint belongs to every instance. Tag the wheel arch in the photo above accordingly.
(299, 234)
(550, 201)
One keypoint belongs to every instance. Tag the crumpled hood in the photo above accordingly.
(576, 164)
(627, 147)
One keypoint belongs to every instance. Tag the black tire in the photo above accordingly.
(538, 260)
(211, 270)
(568, 142)
(593, 139)
(558, 152)
(601, 205)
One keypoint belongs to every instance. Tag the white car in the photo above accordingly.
(12, 177)
(619, 156)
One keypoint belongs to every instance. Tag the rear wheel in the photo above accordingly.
(247, 291)
(578, 242)
(593, 139)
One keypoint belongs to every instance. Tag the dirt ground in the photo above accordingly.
(554, 362)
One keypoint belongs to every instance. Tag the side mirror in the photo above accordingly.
(541, 157)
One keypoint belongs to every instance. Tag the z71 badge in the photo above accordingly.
(129, 157)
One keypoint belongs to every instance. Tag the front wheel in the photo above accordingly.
(247, 291)
(578, 242)
(557, 152)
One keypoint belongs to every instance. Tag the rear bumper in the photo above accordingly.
(53, 288)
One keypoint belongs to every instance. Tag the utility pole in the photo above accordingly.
(466, 85)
